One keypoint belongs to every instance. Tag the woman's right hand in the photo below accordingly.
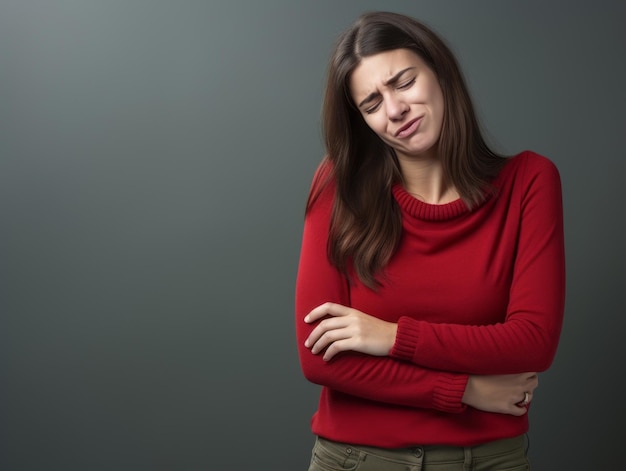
(504, 394)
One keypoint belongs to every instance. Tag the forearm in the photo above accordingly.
(510, 347)
(384, 379)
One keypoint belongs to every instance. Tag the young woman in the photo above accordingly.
(430, 286)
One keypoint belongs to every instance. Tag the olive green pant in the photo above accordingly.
(508, 454)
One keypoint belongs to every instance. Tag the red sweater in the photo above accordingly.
(478, 292)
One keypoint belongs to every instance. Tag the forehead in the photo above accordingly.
(373, 71)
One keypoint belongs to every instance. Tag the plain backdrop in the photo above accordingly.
(155, 158)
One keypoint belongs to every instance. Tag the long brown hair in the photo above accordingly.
(366, 225)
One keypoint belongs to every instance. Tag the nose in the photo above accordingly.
(396, 108)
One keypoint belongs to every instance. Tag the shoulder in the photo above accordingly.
(528, 166)
(531, 160)
(322, 190)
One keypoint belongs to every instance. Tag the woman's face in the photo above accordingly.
(400, 100)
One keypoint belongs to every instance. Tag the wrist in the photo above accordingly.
(393, 332)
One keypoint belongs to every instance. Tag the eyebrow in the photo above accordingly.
(372, 96)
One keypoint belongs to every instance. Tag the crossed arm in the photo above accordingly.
(370, 367)
(340, 328)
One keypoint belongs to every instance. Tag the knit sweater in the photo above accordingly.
(477, 292)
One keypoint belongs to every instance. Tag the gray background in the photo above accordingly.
(155, 157)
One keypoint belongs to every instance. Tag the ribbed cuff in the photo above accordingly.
(406, 339)
(449, 391)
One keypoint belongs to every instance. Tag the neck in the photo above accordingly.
(424, 179)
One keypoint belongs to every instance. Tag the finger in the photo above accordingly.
(323, 327)
(326, 309)
(329, 336)
(337, 347)
(525, 400)
(316, 313)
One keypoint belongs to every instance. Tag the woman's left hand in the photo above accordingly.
(348, 329)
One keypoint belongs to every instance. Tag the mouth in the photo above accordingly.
(409, 128)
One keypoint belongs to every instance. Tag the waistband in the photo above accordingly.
(437, 453)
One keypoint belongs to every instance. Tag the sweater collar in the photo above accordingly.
(425, 211)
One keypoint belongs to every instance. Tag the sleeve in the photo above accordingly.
(382, 379)
(527, 340)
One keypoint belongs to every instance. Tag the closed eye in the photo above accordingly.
(405, 85)
(400, 86)
(372, 109)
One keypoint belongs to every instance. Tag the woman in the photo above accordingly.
(431, 282)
